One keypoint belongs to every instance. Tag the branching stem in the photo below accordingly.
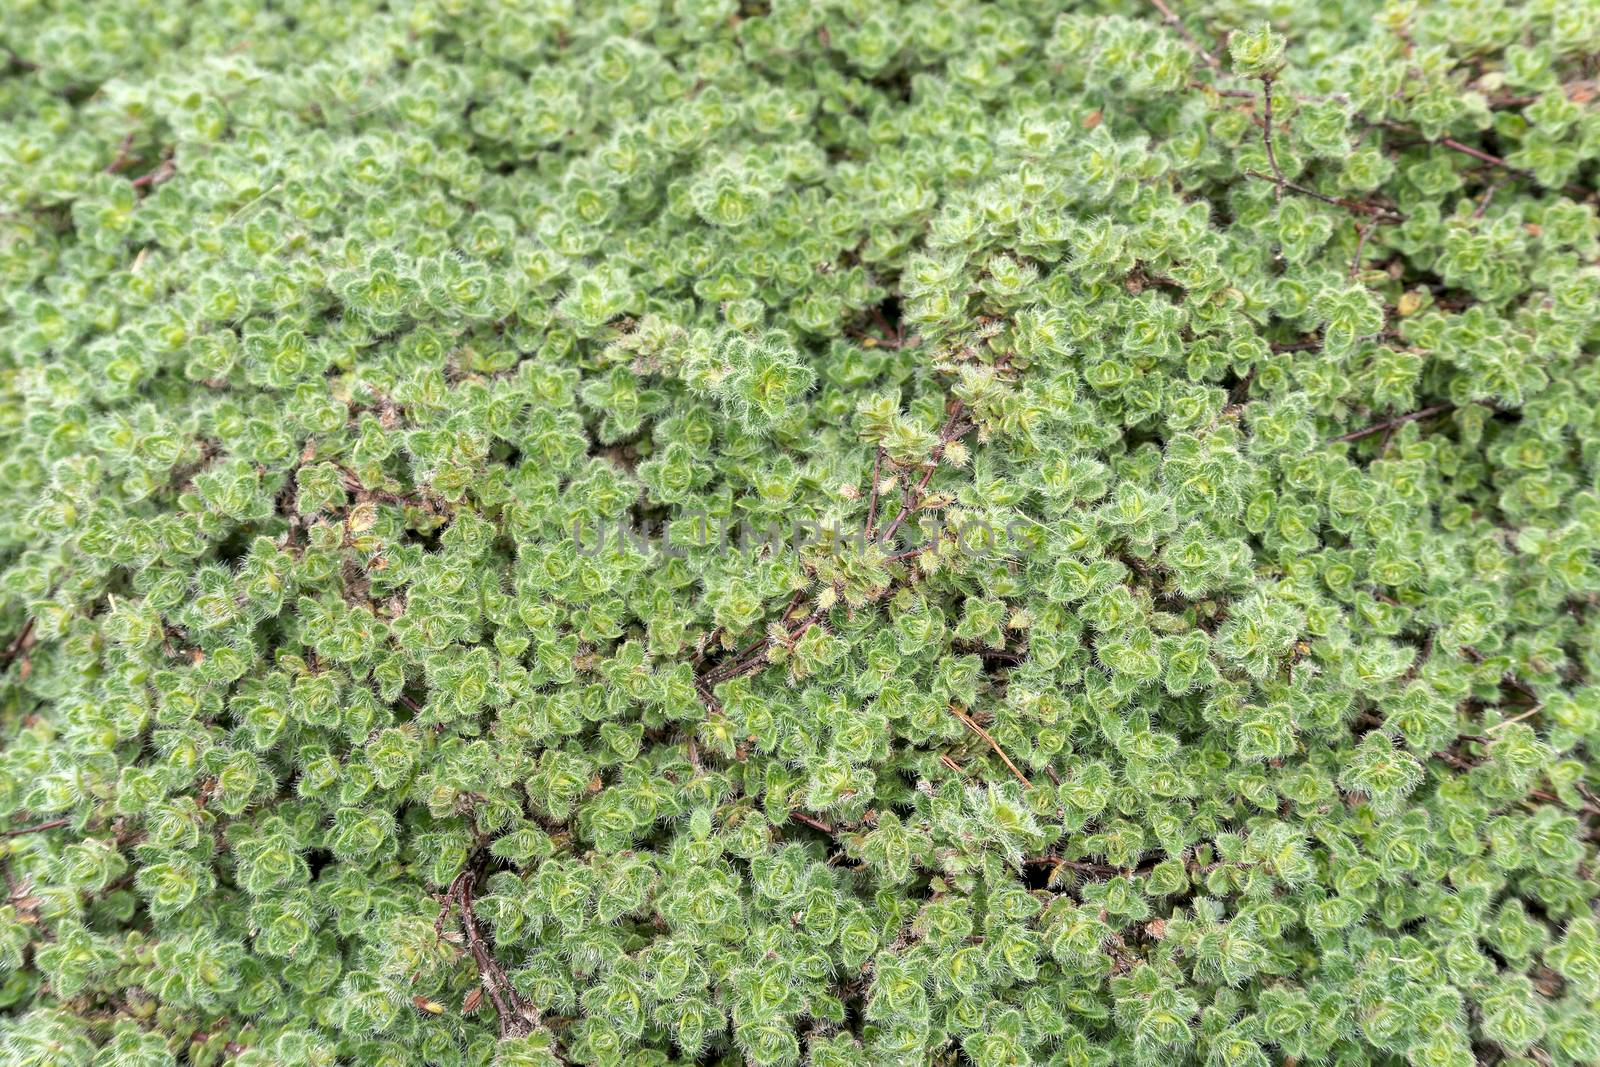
(972, 724)
(1266, 135)
(49, 824)
(517, 1016)
(1389, 424)
(1170, 17)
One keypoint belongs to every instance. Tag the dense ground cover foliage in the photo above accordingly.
(1260, 336)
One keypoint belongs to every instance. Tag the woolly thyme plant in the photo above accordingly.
(1249, 346)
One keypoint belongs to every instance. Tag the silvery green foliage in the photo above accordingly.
(1260, 726)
